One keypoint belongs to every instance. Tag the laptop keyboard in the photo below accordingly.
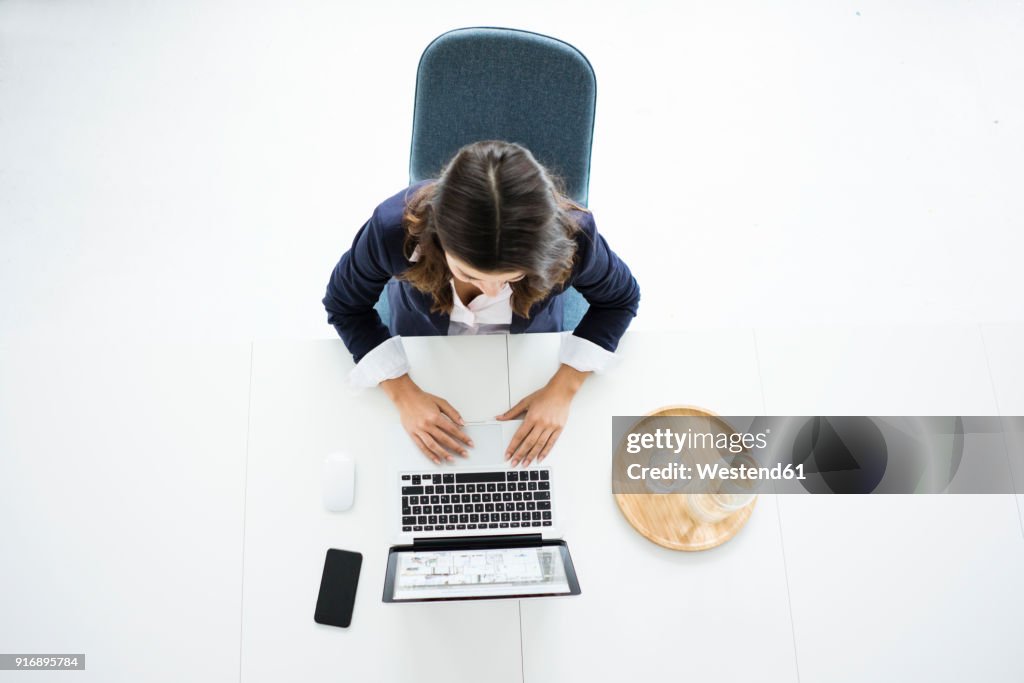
(457, 501)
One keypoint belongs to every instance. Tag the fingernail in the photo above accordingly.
(471, 443)
(461, 421)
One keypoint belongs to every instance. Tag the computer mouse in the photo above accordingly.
(339, 482)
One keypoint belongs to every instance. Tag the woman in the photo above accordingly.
(486, 248)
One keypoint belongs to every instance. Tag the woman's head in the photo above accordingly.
(495, 215)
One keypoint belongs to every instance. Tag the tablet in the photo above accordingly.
(469, 569)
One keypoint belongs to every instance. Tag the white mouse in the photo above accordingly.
(339, 481)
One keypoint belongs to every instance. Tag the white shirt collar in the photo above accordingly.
(483, 309)
(493, 310)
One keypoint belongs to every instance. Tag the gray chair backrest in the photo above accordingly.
(487, 83)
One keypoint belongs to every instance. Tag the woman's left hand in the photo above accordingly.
(547, 411)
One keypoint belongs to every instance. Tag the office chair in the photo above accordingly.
(484, 83)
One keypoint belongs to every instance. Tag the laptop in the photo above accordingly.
(474, 532)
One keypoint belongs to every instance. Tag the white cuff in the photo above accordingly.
(584, 355)
(387, 360)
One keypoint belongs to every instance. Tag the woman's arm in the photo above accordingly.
(354, 287)
(547, 411)
(431, 422)
(606, 283)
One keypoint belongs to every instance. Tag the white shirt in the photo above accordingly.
(483, 315)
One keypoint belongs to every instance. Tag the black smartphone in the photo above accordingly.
(338, 588)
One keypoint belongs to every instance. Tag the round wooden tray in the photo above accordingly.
(665, 518)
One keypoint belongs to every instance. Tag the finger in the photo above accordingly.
(435, 448)
(517, 438)
(447, 442)
(538, 446)
(426, 451)
(526, 446)
(516, 410)
(449, 410)
(452, 429)
(551, 442)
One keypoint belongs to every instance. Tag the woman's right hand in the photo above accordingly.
(431, 422)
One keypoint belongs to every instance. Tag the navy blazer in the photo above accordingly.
(376, 256)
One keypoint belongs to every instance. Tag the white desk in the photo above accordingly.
(646, 611)
(1003, 344)
(879, 590)
(124, 482)
(896, 587)
(121, 486)
(301, 410)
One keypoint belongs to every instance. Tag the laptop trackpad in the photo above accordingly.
(489, 442)
(489, 439)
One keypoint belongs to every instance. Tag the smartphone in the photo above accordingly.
(338, 588)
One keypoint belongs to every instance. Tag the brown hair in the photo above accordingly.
(497, 209)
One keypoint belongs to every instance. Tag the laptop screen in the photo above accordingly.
(479, 572)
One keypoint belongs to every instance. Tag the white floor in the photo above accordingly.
(122, 484)
(191, 171)
(194, 169)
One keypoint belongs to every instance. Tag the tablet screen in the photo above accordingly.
(479, 573)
